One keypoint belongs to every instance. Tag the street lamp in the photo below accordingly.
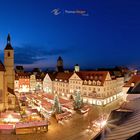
(103, 123)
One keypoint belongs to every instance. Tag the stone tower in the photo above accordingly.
(9, 63)
(60, 64)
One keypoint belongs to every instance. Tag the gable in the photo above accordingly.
(47, 78)
(108, 77)
(75, 77)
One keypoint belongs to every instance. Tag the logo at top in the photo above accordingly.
(56, 11)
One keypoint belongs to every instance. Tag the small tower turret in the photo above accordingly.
(60, 64)
(76, 68)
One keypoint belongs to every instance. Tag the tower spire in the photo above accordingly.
(8, 39)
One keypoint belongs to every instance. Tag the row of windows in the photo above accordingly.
(75, 82)
(62, 84)
(61, 90)
(98, 83)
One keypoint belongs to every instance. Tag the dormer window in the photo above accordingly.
(85, 82)
(89, 82)
(94, 83)
(96, 78)
(98, 83)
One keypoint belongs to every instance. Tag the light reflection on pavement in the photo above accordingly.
(73, 129)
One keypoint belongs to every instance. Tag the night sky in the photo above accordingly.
(106, 36)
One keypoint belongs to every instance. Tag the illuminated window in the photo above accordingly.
(94, 82)
(85, 82)
(89, 82)
(98, 83)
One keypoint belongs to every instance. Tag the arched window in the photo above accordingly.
(94, 83)
(98, 83)
(89, 82)
(8, 54)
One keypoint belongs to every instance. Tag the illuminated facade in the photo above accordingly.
(22, 82)
(32, 82)
(39, 83)
(96, 87)
(61, 83)
(48, 83)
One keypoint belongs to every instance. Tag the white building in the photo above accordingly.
(48, 82)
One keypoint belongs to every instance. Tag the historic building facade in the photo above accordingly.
(96, 87)
(48, 83)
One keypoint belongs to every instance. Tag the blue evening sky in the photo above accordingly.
(108, 35)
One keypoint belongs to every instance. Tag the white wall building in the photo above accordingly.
(48, 83)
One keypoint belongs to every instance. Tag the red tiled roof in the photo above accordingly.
(135, 79)
(6, 127)
(63, 101)
(52, 75)
(31, 124)
(64, 75)
(22, 74)
(93, 75)
(49, 96)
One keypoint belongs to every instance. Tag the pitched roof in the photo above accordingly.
(93, 75)
(22, 74)
(64, 75)
(135, 79)
(8, 47)
(52, 75)
(2, 68)
(135, 89)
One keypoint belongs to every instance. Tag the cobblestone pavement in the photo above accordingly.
(73, 129)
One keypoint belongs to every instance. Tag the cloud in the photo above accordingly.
(29, 54)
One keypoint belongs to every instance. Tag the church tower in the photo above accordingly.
(9, 63)
(60, 64)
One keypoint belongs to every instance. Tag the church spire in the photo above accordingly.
(8, 46)
(8, 39)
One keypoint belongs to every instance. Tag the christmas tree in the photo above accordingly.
(57, 105)
(78, 101)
